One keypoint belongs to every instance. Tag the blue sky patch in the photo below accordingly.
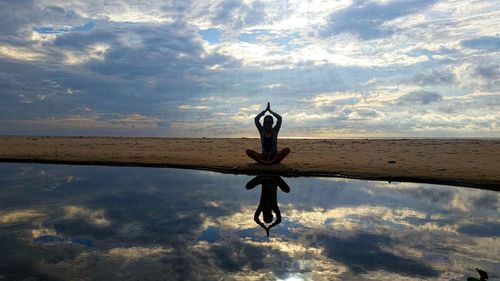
(54, 239)
(489, 43)
(252, 37)
(248, 37)
(285, 40)
(56, 30)
(211, 35)
(211, 235)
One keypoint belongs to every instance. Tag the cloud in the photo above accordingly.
(195, 107)
(93, 122)
(419, 97)
(347, 251)
(488, 71)
(158, 218)
(253, 108)
(160, 59)
(19, 216)
(336, 99)
(22, 54)
(191, 125)
(469, 103)
(235, 13)
(274, 86)
(367, 19)
(139, 58)
(487, 229)
(435, 78)
(137, 253)
(366, 114)
(487, 203)
(95, 217)
(249, 256)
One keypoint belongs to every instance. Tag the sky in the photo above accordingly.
(332, 69)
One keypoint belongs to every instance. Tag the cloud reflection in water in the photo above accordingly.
(152, 223)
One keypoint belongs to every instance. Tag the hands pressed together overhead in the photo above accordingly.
(268, 108)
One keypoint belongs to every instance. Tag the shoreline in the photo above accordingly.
(460, 162)
(285, 173)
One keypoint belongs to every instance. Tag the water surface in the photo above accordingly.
(60, 222)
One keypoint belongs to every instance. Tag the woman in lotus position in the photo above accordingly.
(268, 139)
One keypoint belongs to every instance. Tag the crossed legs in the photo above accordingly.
(261, 160)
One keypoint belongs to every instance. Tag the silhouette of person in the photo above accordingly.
(268, 139)
(268, 200)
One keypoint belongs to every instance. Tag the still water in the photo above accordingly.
(61, 222)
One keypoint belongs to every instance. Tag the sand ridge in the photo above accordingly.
(465, 162)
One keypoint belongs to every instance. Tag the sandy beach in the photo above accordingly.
(464, 162)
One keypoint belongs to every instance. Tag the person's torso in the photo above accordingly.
(268, 196)
(269, 142)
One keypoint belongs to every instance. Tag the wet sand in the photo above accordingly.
(464, 162)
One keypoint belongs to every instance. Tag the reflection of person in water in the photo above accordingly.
(268, 200)
(268, 139)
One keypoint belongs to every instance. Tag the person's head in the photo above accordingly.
(268, 122)
(268, 216)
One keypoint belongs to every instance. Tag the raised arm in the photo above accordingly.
(278, 118)
(278, 216)
(283, 185)
(256, 216)
(257, 120)
(254, 182)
